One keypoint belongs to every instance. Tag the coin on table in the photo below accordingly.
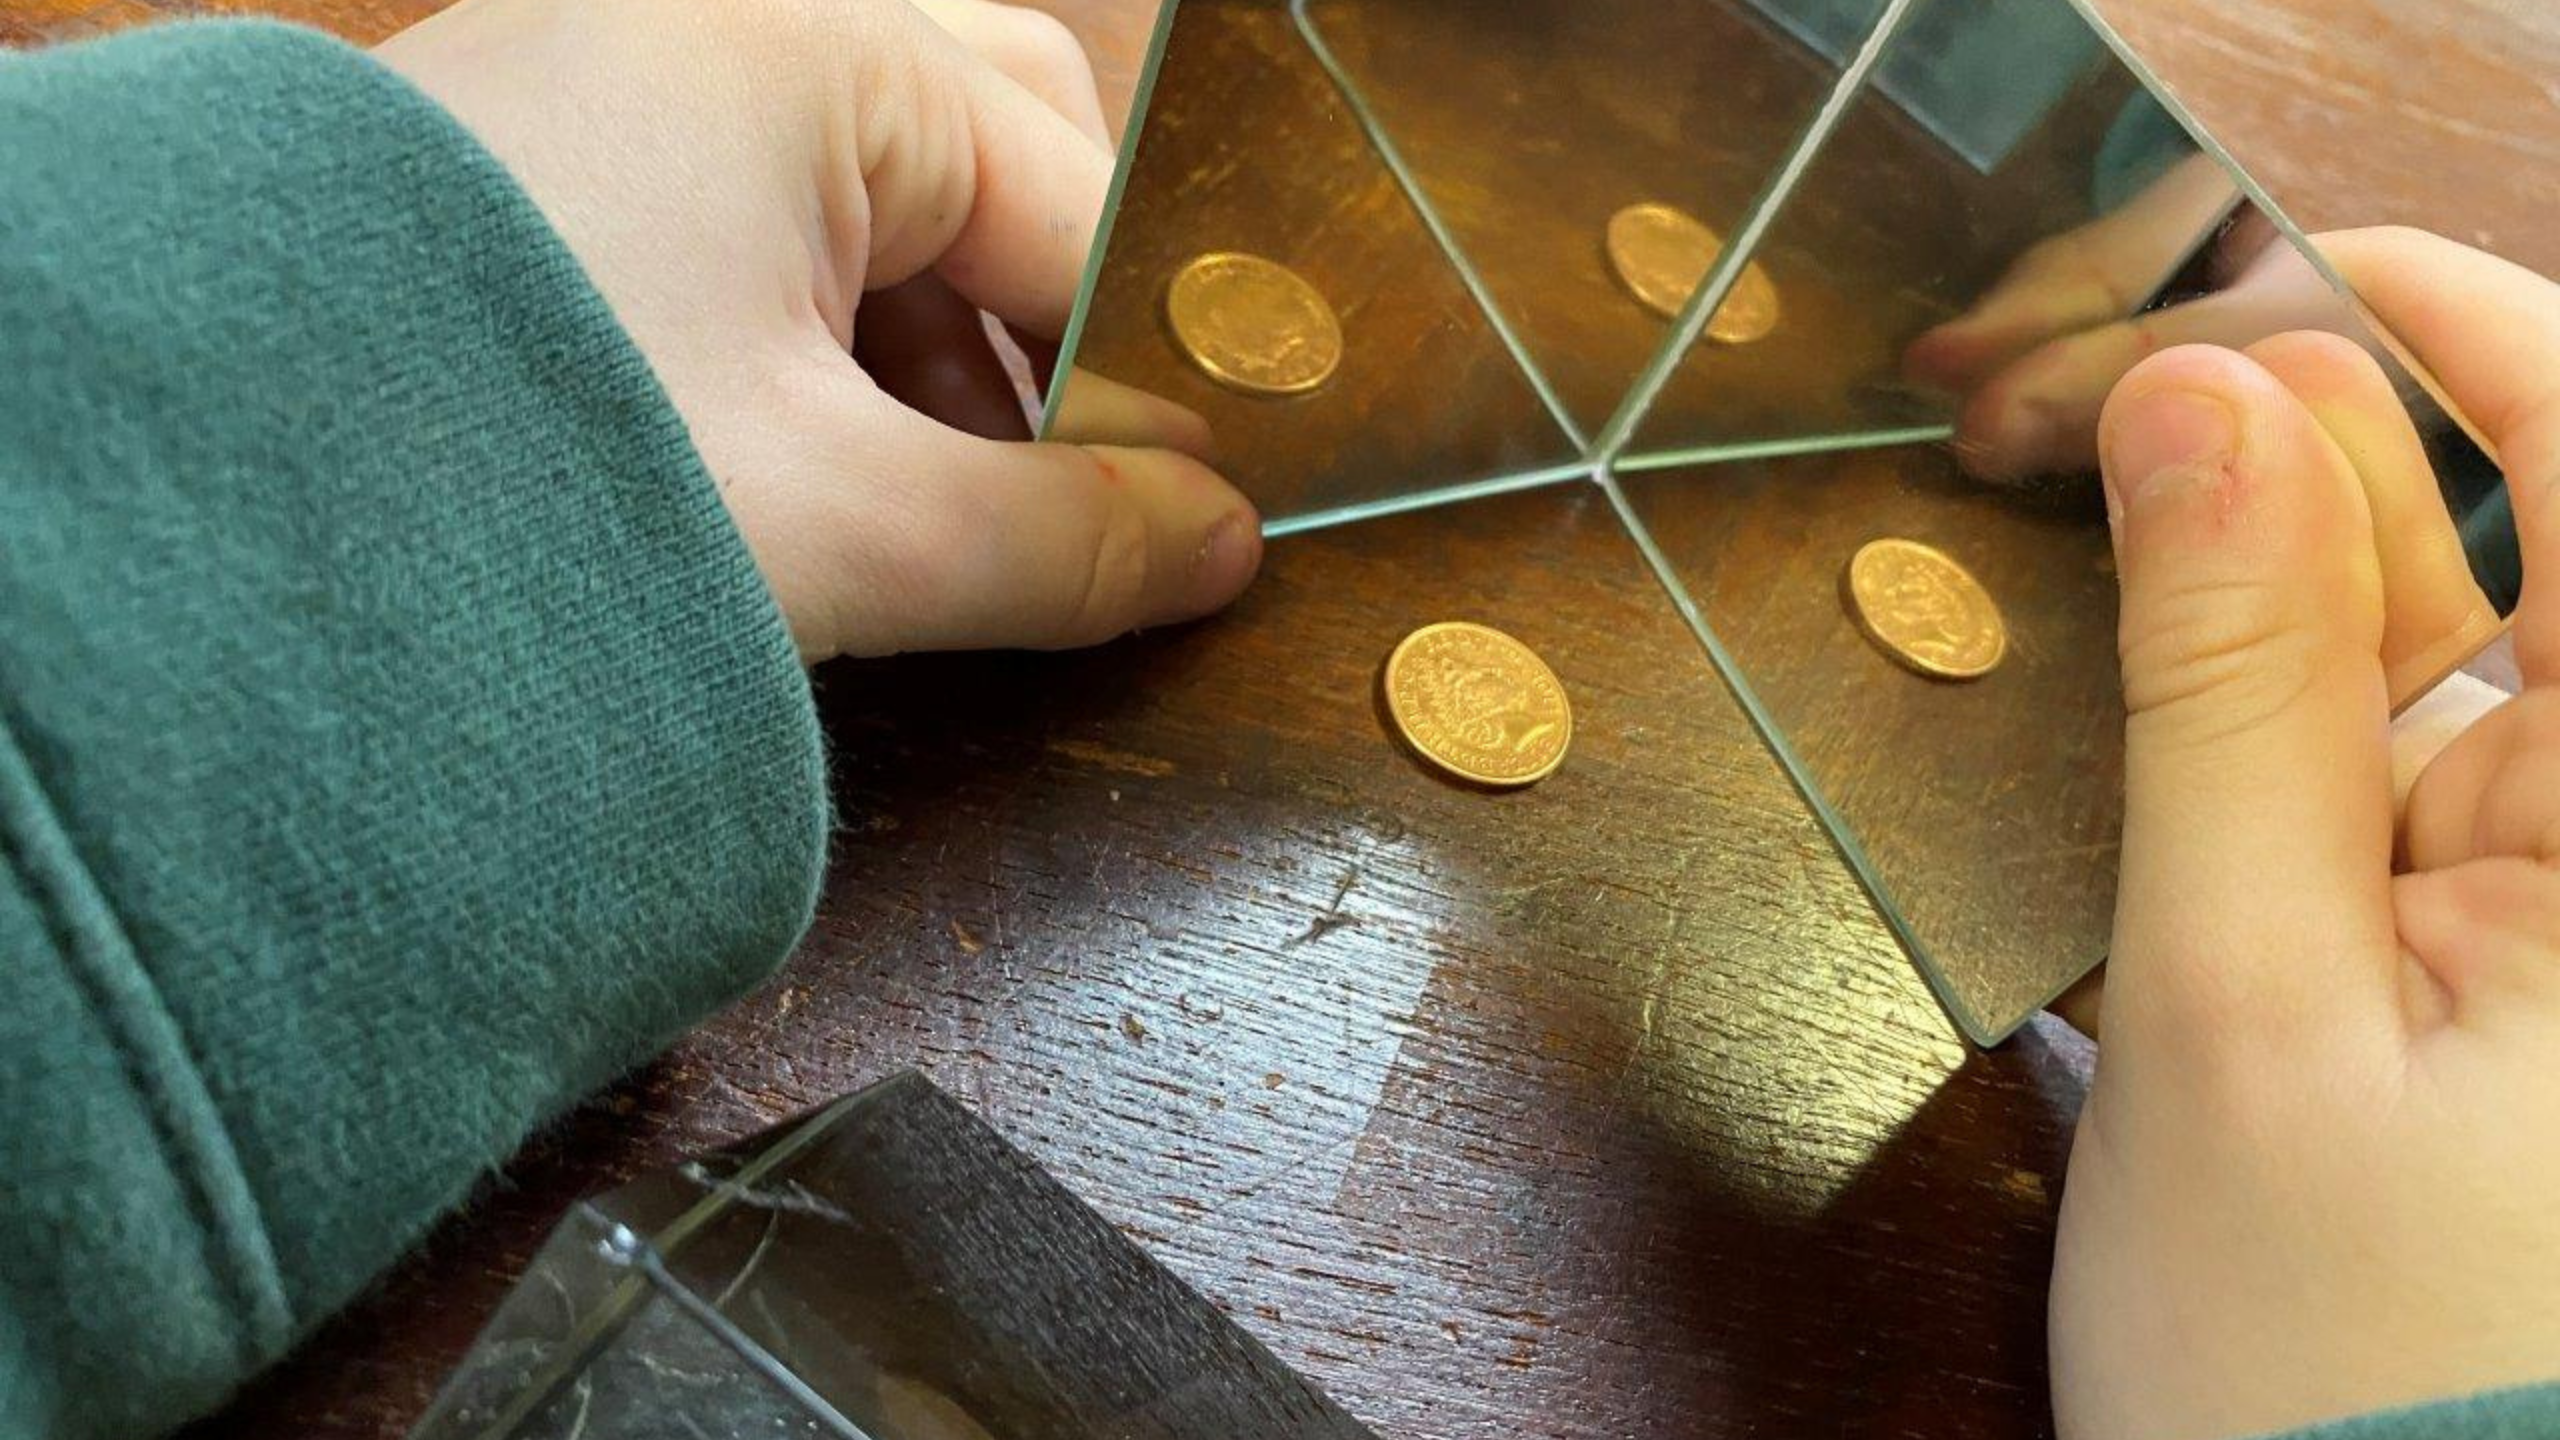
(1923, 609)
(1478, 704)
(1662, 254)
(1253, 324)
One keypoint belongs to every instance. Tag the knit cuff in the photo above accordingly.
(396, 738)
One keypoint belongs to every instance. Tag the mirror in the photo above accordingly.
(1570, 151)
(1825, 295)
(1996, 140)
(1264, 268)
(1891, 526)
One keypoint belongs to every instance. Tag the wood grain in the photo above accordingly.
(1989, 810)
(1473, 1108)
(905, 1263)
(1602, 1110)
(2443, 114)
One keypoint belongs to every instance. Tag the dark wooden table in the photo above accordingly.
(1605, 1109)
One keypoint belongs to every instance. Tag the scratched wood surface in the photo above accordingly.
(1600, 1110)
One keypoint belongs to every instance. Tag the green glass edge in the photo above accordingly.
(1382, 141)
(1139, 102)
(1734, 451)
(1977, 1028)
(599, 1326)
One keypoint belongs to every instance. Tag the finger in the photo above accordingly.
(2243, 246)
(2430, 726)
(2040, 415)
(1033, 49)
(2083, 1006)
(2418, 735)
(2434, 614)
(1100, 411)
(928, 349)
(971, 175)
(2082, 278)
(2494, 792)
(1039, 354)
(2479, 905)
(2487, 332)
(2258, 826)
(2488, 935)
(1045, 546)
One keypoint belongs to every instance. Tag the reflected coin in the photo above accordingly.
(1926, 611)
(1663, 253)
(1253, 325)
(1478, 704)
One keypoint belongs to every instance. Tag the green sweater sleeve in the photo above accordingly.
(396, 740)
(2530, 1413)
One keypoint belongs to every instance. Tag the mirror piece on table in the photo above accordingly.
(887, 1266)
(1266, 270)
(905, 1262)
(1579, 158)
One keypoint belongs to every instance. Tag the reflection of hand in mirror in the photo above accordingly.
(2033, 360)
(857, 177)
(2316, 1168)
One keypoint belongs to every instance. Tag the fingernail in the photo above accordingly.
(1227, 559)
(2165, 435)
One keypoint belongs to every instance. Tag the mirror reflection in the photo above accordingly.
(1403, 254)
(1928, 627)
(2059, 192)
(1586, 161)
(1266, 270)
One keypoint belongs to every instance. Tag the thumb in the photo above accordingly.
(2257, 844)
(1005, 545)
(2038, 415)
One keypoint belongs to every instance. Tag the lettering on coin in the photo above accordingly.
(1662, 255)
(1253, 325)
(1923, 609)
(1478, 704)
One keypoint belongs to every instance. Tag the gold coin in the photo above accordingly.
(1478, 704)
(1662, 254)
(1253, 325)
(1925, 610)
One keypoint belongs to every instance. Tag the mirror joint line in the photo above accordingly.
(1123, 166)
(1375, 131)
(1764, 722)
(1746, 450)
(1757, 222)
(640, 1257)
(1446, 495)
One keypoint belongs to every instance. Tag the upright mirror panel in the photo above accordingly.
(1999, 172)
(1582, 160)
(1926, 629)
(1265, 270)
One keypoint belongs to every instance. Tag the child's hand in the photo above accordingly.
(2034, 358)
(740, 179)
(2317, 1171)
